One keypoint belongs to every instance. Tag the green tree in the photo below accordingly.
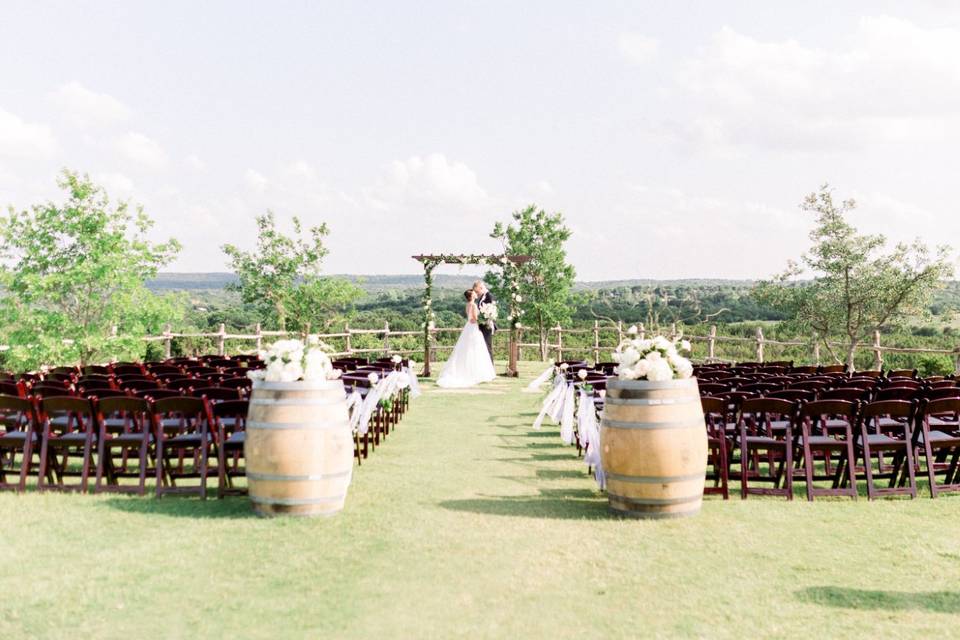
(72, 272)
(281, 278)
(546, 281)
(858, 287)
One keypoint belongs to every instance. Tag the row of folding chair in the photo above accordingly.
(170, 438)
(778, 439)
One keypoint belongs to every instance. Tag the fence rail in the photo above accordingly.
(604, 339)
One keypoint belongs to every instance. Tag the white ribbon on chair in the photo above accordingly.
(370, 402)
(550, 402)
(534, 387)
(354, 402)
(414, 383)
(589, 431)
(567, 414)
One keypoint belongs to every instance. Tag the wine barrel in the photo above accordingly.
(298, 448)
(653, 447)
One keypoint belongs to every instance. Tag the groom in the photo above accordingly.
(485, 297)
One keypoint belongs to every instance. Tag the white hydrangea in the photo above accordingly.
(654, 358)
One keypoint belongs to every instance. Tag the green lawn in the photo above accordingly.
(466, 523)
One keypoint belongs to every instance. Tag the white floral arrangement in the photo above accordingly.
(291, 360)
(653, 359)
(489, 311)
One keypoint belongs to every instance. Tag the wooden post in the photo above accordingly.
(347, 345)
(619, 332)
(222, 340)
(712, 344)
(305, 334)
(519, 340)
(596, 341)
(386, 338)
(167, 341)
(641, 331)
(259, 333)
(512, 350)
(956, 361)
(759, 344)
(673, 331)
(559, 344)
(113, 331)
(877, 351)
(816, 350)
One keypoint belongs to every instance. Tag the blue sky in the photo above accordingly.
(676, 137)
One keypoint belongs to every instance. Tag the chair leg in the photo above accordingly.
(159, 466)
(808, 468)
(27, 461)
(931, 473)
(101, 461)
(911, 470)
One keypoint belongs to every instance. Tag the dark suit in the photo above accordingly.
(486, 330)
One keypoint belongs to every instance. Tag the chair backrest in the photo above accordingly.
(897, 393)
(762, 412)
(850, 394)
(941, 406)
(833, 368)
(137, 384)
(156, 394)
(104, 393)
(78, 414)
(820, 408)
(902, 382)
(16, 413)
(136, 411)
(888, 408)
(902, 373)
(51, 389)
(234, 409)
(87, 385)
(237, 383)
(184, 384)
(759, 387)
(128, 369)
(940, 393)
(10, 388)
(796, 395)
(216, 394)
(194, 412)
(942, 384)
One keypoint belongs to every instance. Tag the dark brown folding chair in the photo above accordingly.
(125, 427)
(68, 428)
(215, 394)
(885, 426)
(182, 426)
(896, 393)
(715, 416)
(230, 418)
(18, 435)
(937, 437)
(768, 427)
(827, 428)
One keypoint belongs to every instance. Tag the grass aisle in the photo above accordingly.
(468, 523)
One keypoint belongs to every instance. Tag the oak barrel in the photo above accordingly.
(298, 447)
(653, 447)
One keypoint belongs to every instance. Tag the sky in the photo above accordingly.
(677, 138)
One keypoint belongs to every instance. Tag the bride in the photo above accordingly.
(469, 364)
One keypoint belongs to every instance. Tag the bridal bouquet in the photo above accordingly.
(652, 359)
(488, 310)
(291, 360)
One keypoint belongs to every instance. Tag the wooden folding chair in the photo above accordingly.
(230, 419)
(885, 426)
(18, 436)
(182, 426)
(68, 428)
(827, 428)
(937, 436)
(767, 426)
(715, 416)
(125, 426)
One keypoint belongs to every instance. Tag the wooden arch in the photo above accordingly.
(505, 261)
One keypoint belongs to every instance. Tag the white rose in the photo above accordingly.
(257, 374)
(403, 381)
(334, 374)
(629, 356)
(653, 356)
(659, 371)
(274, 371)
(662, 343)
(373, 378)
(685, 345)
(626, 373)
(564, 366)
(643, 345)
(582, 374)
(642, 369)
(317, 364)
(396, 359)
(632, 331)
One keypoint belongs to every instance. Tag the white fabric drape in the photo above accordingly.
(589, 430)
(550, 403)
(567, 413)
(414, 383)
(534, 387)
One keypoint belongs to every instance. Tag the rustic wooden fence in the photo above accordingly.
(592, 342)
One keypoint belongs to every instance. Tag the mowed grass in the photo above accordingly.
(467, 523)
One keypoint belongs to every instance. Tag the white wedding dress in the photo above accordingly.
(469, 364)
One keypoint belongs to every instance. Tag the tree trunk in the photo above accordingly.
(543, 336)
(851, 353)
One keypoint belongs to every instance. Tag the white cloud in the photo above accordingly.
(21, 139)
(255, 180)
(195, 163)
(84, 107)
(891, 82)
(116, 183)
(431, 181)
(637, 48)
(141, 149)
